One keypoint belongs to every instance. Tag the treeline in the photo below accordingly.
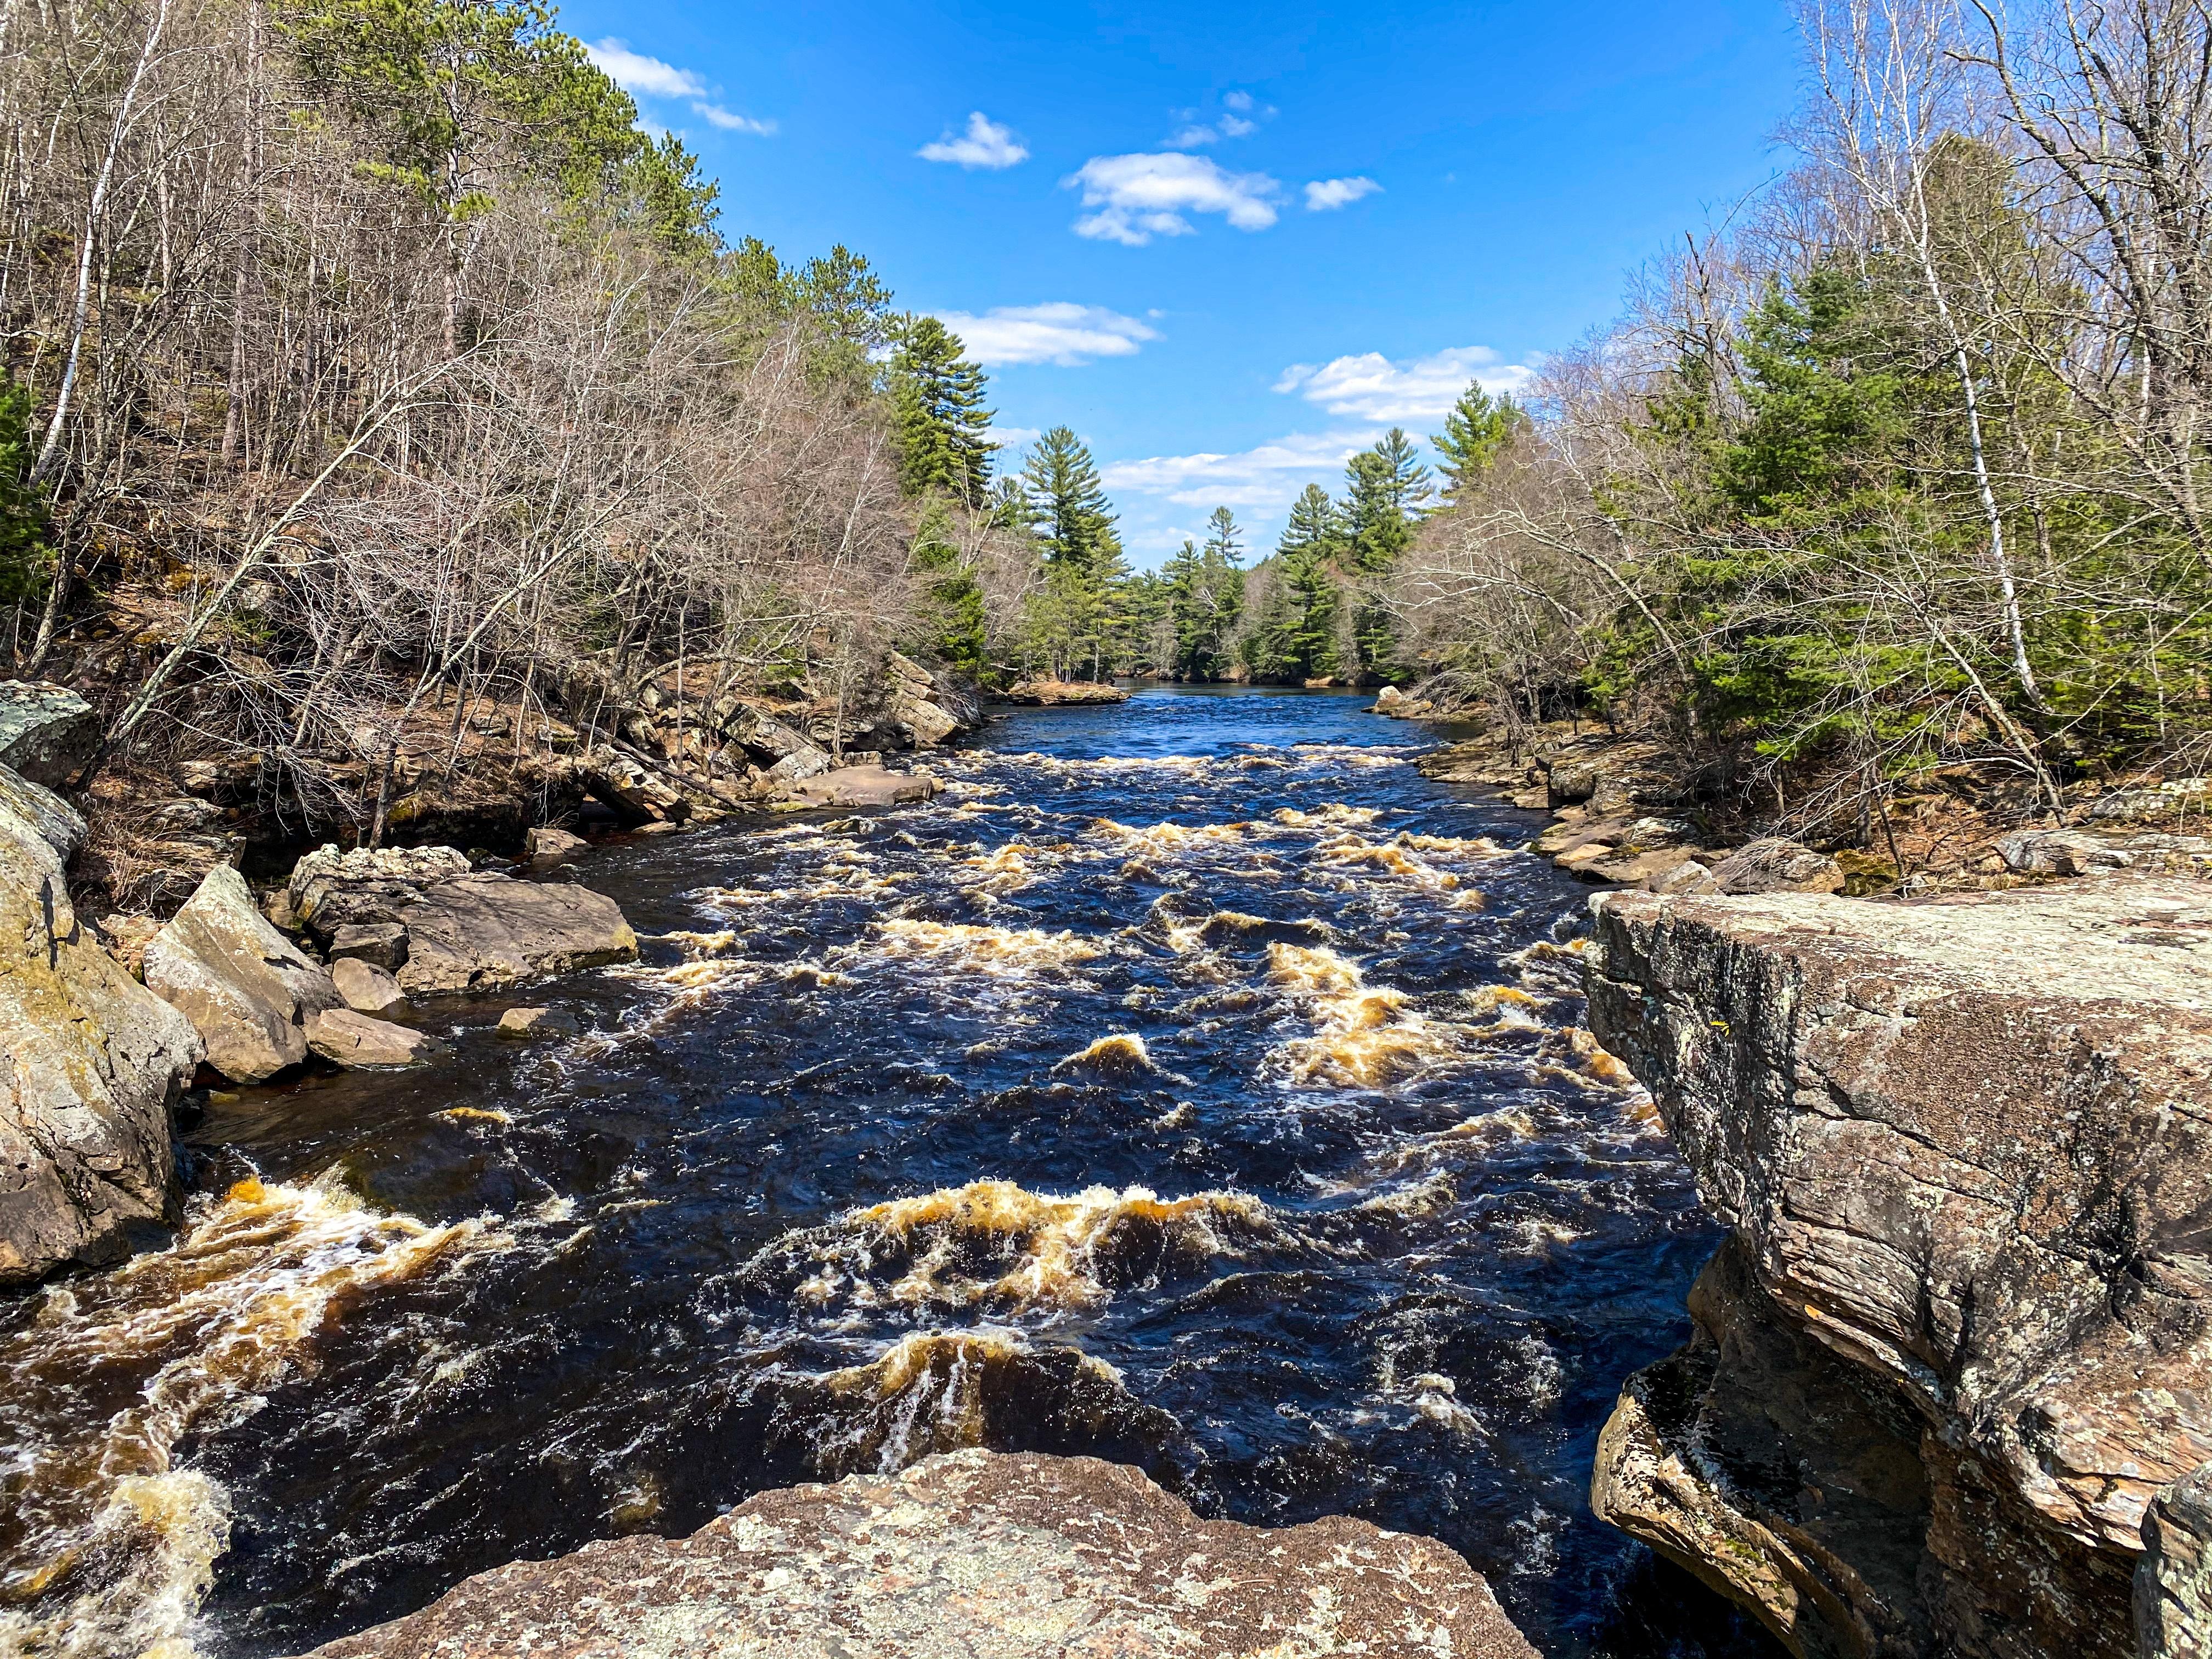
(1906, 468)
(366, 366)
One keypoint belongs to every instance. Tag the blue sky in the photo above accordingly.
(1228, 243)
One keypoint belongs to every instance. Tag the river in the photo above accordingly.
(1192, 1084)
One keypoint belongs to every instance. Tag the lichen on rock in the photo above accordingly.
(972, 1555)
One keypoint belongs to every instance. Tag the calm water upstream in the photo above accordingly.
(1193, 1085)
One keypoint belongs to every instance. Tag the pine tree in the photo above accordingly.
(1313, 543)
(26, 557)
(943, 430)
(954, 598)
(1383, 487)
(1073, 519)
(1476, 432)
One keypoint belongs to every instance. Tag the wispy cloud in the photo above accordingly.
(1059, 332)
(1242, 121)
(1140, 197)
(986, 143)
(1263, 479)
(634, 72)
(731, 121)
(649, 77)
(1370, 387)
(1324, 194)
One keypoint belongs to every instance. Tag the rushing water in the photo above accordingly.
(1193, 1085)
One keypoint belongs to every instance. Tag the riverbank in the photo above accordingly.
(1629, 809)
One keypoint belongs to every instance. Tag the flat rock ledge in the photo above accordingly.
(1952, 1373)
(970, 1555)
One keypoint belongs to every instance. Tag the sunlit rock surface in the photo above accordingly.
(971, 1553)
(1964, 1332)
(90, 1061)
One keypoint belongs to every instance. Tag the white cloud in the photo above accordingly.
(1235, 126)
(1238, 100)
(985, 144)
(1058, 333)
(1141, 196)
(731, 121)
(1263, 479)
(634, 72)
(649, 77)
(1011, 439)
(1369, 386)
(1324, 194)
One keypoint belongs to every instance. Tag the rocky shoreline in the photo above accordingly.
(1950, 1386)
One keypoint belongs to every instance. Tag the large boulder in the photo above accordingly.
(1965, 1333)
(330, 890)
(90, 1062)
(46, 732)
(1059, 694)
(248, 991)
(973, 1553)
(481, 931)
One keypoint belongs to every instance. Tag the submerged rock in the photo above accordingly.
(247, 990)
(973, 1553)
(521, 1024)
(90, 1063)
(46, 732)
(1964, 1332)
(864, 786)
(481, 931)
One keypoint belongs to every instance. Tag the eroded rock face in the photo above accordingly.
(972, 1554)
(90, 1063)
(1965, 1146)
(248, 991)
(478, 933)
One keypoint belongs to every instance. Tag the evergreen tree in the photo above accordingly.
(1383, 487)
(1314, 542)
(1073, 519)
(944, 429)
(1476, 432)
(956, 599)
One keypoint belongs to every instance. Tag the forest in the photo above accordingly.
(366, 360)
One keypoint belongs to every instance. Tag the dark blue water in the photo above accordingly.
(1193, 1085)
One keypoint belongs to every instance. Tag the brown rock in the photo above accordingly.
(1053, 694)
(866, 786)
(522, 1025)
(1966, 1147)
(90, 1063)
(481, 931)
(971, 1555)
(330, 890)
(1777, 865)
(2173, 1585)
(246, 989)
(381, 944)
(547, 849)
(356, 1041)
(366, 989)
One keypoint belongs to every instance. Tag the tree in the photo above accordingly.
(1476, 432)
(937, 396)
(1070, 502)
(955, 597)
(26, 557)
(1202, 592)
